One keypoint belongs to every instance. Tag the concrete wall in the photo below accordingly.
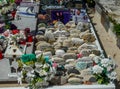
(110, 29)
(111, 33)
(98, 8)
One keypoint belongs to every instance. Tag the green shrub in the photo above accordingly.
(116, 29)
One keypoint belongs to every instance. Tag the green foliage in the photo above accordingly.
(46, 69)
(24, 73)
(116, 29)
(112, 20)
(34, 81)
(20, 64)
(102, 78)
(41, 59)
(39, 79)
(12, 1)
(29, 63)
(7, 26)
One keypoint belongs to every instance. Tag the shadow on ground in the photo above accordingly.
(94, 23)
(117, 84)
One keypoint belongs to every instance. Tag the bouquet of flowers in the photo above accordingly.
(37, 72)
(103, 69)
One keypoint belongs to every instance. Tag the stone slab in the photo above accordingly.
(4, 69)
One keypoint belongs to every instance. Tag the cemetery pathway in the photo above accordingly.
(108, 43)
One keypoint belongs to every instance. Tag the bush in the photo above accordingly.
(116, 29)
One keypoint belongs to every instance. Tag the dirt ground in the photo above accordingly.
(108, 43)
(12, 85)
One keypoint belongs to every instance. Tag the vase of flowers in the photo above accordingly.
(103, 70)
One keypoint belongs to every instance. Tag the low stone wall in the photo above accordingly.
(98, 8)
(111, 33)
(110, 27)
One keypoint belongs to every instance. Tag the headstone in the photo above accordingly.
(4, 69)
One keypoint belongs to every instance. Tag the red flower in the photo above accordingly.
(15, 31)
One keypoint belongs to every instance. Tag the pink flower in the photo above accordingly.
(79, 55)
(55, 65)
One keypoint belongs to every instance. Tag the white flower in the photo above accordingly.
(28, 68)
(38, 65)
(96, 59)
(97, 69)
(45, 66)
(109, 68)
(111, 62)
(105, 62)
(42, 73)
(30, 75)
(32, 71)
(112, 75)
(38, 55)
